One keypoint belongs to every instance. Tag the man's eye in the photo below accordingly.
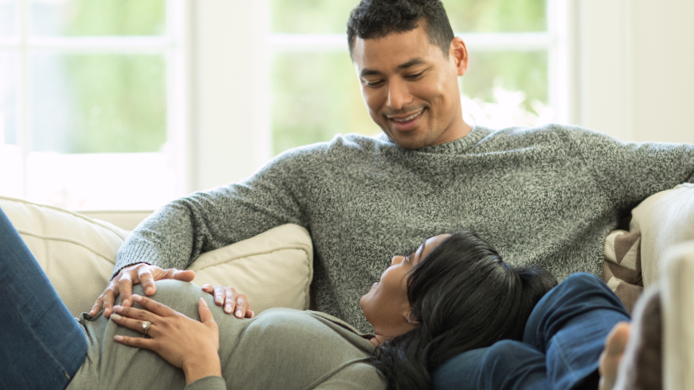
(373, 83)
(414, 76)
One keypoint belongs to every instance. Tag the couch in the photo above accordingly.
(275, 268)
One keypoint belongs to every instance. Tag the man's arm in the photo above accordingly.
(176, 234)
(630, 172)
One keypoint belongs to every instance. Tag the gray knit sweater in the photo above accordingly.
(543, 196)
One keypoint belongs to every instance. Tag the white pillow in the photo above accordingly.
(274, 268)
(664, 219)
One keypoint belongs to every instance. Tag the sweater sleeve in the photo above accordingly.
(208, 383)
(630, 172)
(177, 233)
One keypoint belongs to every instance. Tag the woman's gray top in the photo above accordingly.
(278, 349)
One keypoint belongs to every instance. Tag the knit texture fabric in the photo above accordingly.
(543, 196)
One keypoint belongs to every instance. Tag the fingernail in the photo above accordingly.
(117, 309)
(137, 298)
(149, 291)
(203, 301)
(116, 317)
(118, 338)
(238, 313)
(125, 302)
(219, 300)
(227, 309)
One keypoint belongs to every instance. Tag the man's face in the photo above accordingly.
(410, 88)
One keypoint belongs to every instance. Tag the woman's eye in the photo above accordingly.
(373, 83)
(409, 253)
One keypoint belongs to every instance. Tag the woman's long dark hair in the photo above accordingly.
(462, 297)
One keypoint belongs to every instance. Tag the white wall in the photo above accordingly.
(230, 118)
(635, 68)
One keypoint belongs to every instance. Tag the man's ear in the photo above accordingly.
(458, 53)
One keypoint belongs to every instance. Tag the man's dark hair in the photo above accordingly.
(462, 297)
(377, 18)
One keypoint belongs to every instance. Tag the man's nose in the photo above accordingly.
(398, 95)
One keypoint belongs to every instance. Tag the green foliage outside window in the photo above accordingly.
(98, 18)
(120, 101)
(116, 103)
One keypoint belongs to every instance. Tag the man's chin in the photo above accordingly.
(409, 143)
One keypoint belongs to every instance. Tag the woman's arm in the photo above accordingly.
(185, 343)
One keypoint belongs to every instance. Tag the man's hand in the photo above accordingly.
(142, 273)
(230, 300)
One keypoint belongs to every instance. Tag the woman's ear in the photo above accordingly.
(410, 319)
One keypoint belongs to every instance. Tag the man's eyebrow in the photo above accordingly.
(411, 63)
(408, 64)
(369, 72)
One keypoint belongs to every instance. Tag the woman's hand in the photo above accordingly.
(232, 301)
(185, 343)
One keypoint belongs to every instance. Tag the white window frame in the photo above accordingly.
(174, 45)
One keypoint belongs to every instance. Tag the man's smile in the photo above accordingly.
(406, 122)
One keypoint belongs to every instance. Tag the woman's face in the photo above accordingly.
(385, 305)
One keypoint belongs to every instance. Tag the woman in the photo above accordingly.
(452, 295)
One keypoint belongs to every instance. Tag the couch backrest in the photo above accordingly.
(78, 254)
(124, 219)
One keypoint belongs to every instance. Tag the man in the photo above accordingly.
(546, 196)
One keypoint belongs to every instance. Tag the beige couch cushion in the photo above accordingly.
(274, 269)
(77, 253)
(677, 297)
(664, 219)
(124, 219)
(632, 258)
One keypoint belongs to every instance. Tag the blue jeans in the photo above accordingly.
(41, 344)
(563, 339)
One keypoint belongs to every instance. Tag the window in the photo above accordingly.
(102, 107)
(86, 96)
(512, 77)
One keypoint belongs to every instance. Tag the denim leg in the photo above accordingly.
(570, 325)
(42, 346)
(506, 365)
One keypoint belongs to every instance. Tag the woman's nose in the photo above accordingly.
(397, 260)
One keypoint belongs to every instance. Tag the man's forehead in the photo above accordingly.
(396, 50)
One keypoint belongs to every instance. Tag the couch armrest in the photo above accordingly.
(124, 219)
(677, 294)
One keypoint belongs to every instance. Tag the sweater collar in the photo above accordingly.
(457, 146)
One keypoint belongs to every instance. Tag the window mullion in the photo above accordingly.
(23, 93)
